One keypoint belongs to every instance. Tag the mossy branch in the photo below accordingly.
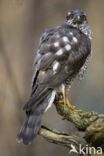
(91, 123)
(63, 139)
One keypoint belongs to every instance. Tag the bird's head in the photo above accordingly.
(76, 18)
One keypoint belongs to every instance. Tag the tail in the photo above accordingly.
(30, 128)
(32, 124)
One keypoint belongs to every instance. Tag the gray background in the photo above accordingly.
(21, 25)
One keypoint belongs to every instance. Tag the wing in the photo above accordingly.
(62, 52)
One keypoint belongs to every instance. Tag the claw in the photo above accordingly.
(70, 106)
(66, 100)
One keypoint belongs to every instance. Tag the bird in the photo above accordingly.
(61, 56)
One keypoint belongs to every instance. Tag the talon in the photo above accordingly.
(72, 107)
(66, 102)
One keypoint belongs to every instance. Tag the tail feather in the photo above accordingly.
(32, 124)
(37, 98)
(29, 129)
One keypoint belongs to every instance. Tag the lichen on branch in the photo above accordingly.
(91, 123)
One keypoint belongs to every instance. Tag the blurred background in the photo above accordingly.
(21, 25)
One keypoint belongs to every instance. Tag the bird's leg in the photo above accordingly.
(64, 95)
(69, 105)
(66, 100)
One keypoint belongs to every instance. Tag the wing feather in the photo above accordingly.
(45, 79)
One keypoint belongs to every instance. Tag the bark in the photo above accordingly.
(91, 123)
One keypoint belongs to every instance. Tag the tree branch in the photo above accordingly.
(91, 123)
(60, 138)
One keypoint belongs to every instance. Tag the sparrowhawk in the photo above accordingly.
(61, 56)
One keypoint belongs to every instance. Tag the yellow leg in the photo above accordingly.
(69, 105)
(66, 100)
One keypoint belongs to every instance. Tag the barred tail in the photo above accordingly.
(30, 128)
(32, 124)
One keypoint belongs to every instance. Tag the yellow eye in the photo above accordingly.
(78, 17)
